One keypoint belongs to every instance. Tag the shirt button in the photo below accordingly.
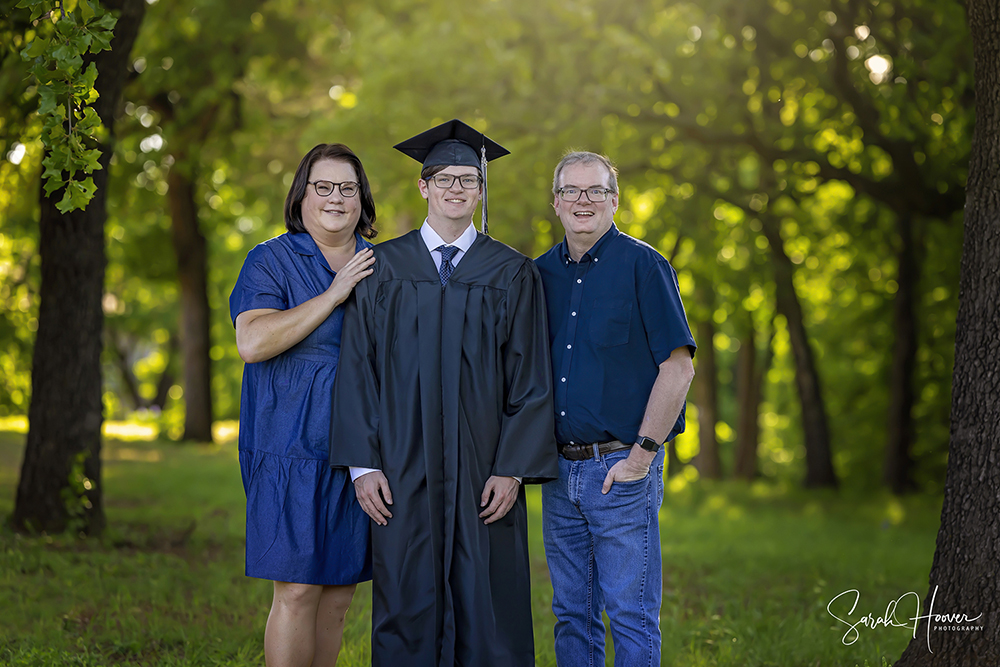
(578, 280)
(595, 259)
(564, 379)
(573, 313)
(571, 442)
(562, 414)
(569, 347)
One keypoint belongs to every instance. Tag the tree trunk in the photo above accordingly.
(60, 482)
(132, 398)
(747, 406)
(898, 462)
(191, 250)
(166, 377)
(819, 465)
(706, 393)
(964, 572)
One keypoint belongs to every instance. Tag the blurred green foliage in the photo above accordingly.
(834, 121)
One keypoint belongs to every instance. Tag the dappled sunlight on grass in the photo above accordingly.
(224, 432)
(15, 424)
(894, 511)
(130, 430)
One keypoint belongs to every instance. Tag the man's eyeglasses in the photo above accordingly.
(445, 181)
(325, 188)
(593, 194)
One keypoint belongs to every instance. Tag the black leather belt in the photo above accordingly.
(584, 452)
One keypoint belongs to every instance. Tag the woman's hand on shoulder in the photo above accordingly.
(359, 267)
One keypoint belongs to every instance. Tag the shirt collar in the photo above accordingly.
(304, 244)
(433, 241)
(596, 250)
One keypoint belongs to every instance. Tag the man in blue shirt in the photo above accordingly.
(622, 364)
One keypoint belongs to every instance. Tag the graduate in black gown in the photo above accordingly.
(443, 409)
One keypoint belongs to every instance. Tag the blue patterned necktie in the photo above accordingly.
(448, 253)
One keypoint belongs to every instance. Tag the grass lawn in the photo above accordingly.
(748, 572)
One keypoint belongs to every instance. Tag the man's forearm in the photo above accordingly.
(667, 396)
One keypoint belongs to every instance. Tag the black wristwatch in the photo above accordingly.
(648, 444)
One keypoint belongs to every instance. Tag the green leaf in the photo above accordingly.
(89, 75)
(64, 52)
(53, 170)
(102, 41)
(72, 65)
(37, 9)
(35, 49)
(90, 160)
(47, 100)
(81, 41)
(86, 10)
(52, 184)
(66, 25)
(106, 21)
(89, 122)
(78, 195)
(65, 205)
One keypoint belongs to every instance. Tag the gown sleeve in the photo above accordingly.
(527, 446)
(354, 416)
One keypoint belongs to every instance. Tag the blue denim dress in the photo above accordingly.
(304, 524)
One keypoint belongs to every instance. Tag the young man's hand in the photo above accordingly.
(504, 491)
(367, 488)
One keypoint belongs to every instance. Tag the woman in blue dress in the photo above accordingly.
(305, 529)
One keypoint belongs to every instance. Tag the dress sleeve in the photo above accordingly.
(354, 416)
(527, 446)
(260, 284)
(662, 312)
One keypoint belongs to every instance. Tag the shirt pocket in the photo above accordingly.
(610, 322)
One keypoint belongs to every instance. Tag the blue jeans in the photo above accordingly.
(603, 553)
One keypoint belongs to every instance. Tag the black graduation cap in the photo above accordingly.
(454, 144)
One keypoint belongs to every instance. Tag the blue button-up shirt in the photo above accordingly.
(614, 317)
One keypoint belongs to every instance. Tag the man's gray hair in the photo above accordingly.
(585, 157)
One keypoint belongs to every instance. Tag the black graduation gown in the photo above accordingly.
(440, 388)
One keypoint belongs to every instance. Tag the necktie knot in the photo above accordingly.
(448, 253)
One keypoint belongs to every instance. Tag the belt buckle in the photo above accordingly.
(597, 450)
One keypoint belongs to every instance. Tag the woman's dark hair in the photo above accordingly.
(296, 193)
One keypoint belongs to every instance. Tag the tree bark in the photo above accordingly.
(748, 395)
(191, 250)
(898, 461)
(706, 393)
(60, 482)
(964, 572)
(819, 465)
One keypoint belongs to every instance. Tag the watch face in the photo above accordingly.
(649, 444)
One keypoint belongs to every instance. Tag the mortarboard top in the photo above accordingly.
(454, 144)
